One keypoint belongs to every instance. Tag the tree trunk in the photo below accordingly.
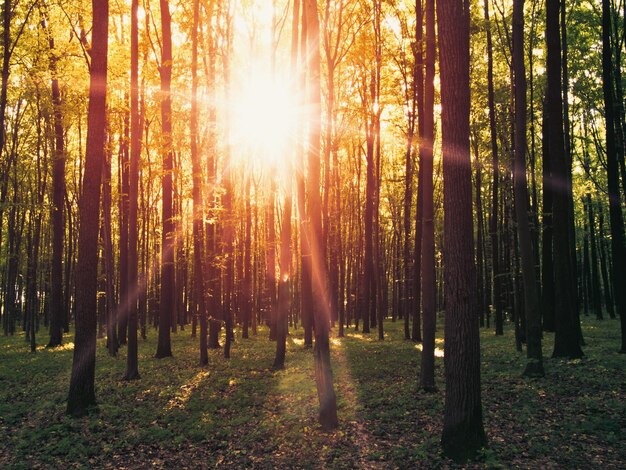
(321, 314)
(58, 200)
(463, 432)
(567, 338)
(199, 288)
(166, 304)
(429, 282)
(283, 285)
(123, 207)
(618, 244)
(82, 394)
(418, 78)
(534, 366)
(595, 275)
(132, 366)
(493, 229)
(109, 269)
(547, 253)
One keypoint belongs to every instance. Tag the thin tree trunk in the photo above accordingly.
(132, 366)
(493, 229)
(58, 196)
(166, 304)
(321, 315)
(608, 298)
(82, 394)
(567, 338)
(618, 244)
(534, 366)
(429, 282)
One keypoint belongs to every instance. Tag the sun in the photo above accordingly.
(263, 115)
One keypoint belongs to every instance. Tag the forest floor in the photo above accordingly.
(238, 413)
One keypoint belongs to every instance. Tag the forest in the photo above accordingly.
(312, 234)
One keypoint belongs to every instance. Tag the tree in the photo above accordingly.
(567, 338)
(429, 282)
(321, 314)
(132, 367)
(463, 432)
(618, 243)
(534, 366)
(82, 394)
(166, 305)
(58, 197)
(199, 287)
(493, 229)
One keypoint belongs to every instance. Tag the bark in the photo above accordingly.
(595, 275)
(429, 282)
(109, 269)
(270, 267)
(82, 395)
(608, 298)
(321, 315)
(306, 276)
(534, 365)
(493, 229)
(124, 183)
(199, 288)
(418, 77)
(166, 304)
(283, 285)
(132, 366)
(247, 266)
(463, 432)
(406, 307)
(567, 338)
(547, 257)
(369, 283)
(58, 197)
(618, 243)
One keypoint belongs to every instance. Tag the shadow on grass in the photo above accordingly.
(404, 422)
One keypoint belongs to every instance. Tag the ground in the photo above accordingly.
(239, 413)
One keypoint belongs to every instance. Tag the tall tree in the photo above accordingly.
(321, 313)
(429, 282)
(132, 367)
(58, 202)
(411, 102)
(283, 284)
(166, 304)
(534, 366)
(495, 205)
(567, 338)
(82, 393)
(199, 287)
(616, 219)
(463, 432)
(418, 78)
(306, 275)
(285, 232)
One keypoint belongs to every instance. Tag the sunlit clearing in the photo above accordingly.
(438, 351)
(262, 114)
(62, 347)
(336, 341)
(185, 391)
(360, 336)
(297, 341)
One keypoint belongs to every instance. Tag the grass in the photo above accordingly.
(240, 413)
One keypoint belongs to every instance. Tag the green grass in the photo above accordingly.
(240, 413)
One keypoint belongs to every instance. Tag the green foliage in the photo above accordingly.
(241, 413)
